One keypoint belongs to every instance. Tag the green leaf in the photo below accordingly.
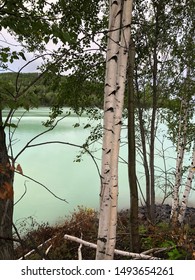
(21, 54)
(4, 53)
(4, 57)
(87, 125)
(46, 39)
(55, 41)
(11, 125)
(65, 37)
(76, 125)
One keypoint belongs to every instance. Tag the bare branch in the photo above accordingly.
(21, 195)
(38, 135)
(69, 144)
(42, 185)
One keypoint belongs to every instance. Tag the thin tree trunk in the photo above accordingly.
(187, 190)
(179, 162)
(152, 171)
(6, 200)
(144, 150)
(134, 225)
(116, 65)
(154, 112)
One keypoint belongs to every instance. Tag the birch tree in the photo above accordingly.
(186, 112)
(179, 161)
(116, 65)
(188, 186)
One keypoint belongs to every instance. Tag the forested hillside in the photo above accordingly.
(71, 91)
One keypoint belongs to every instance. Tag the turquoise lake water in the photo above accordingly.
(54, 166)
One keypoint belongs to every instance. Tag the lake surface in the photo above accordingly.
(54, 166)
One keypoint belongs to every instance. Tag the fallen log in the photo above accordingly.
(117, 252)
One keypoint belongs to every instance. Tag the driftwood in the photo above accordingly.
(117, 252)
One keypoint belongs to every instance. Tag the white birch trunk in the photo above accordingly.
(179, 162)
(187, 190)
(119, 102)
(116, 65)
(109, 107)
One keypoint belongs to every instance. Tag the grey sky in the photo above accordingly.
(7, 40)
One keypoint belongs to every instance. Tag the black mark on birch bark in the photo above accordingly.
(113, 92)
(111, 109)
(114, 57)
(115, 3)
(102, 239)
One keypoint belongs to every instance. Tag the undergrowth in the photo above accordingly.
(83, 223)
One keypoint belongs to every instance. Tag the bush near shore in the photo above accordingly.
(83, 223)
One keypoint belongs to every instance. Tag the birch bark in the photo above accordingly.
(116, 65)
(179, 162)
(125, 34)
(109, 107)
(187, 190)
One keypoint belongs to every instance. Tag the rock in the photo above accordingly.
(163, 213)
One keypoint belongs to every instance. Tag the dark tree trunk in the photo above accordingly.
(6, 200)
(134, 225)
(154, 112)
(143, 146)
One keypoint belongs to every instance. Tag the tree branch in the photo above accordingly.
(25, 191)
(117, 252)
(38, 135)
(42, 185)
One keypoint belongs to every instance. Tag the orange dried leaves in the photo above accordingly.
(19, 169)
(6, 191)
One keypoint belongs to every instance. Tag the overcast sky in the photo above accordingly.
(6, 40)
